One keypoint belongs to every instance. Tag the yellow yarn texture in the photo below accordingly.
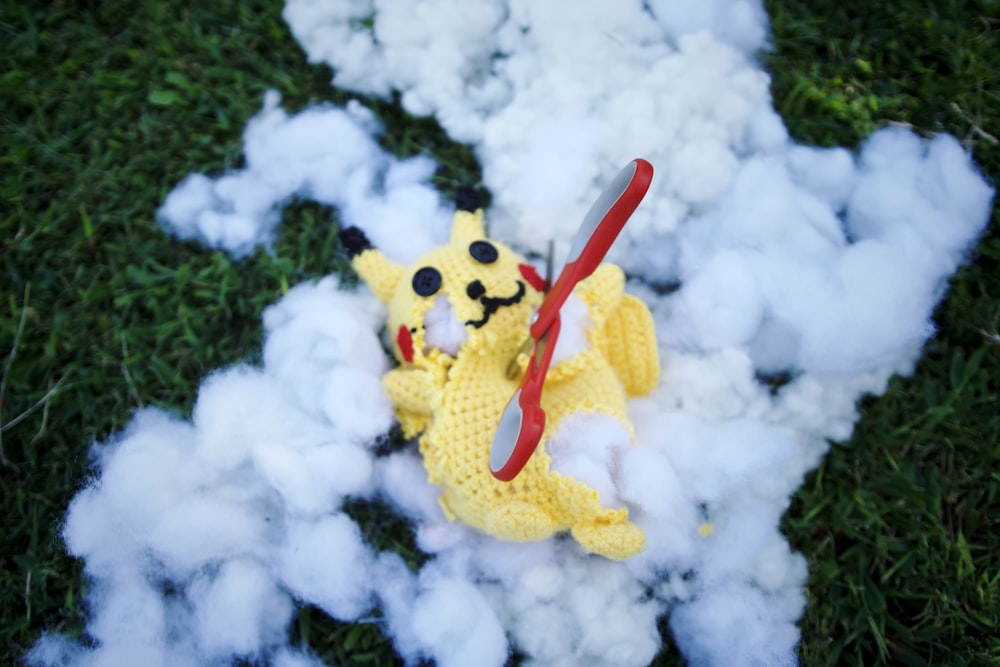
(454, 402)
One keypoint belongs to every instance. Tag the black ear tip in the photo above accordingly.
(467, 198)
(354, 241)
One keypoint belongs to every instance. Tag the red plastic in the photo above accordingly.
(601, 226)
(598, 240)
(527, 405)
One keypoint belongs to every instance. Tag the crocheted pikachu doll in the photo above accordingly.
(457, 318)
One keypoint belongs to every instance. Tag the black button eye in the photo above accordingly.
(483, 251)
(427, 281)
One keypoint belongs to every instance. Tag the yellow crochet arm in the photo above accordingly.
(412, 392)
(629, 342)
(627, 334)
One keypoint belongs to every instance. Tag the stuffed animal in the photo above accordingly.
(458, 319)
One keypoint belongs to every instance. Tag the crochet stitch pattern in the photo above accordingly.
(454, 401)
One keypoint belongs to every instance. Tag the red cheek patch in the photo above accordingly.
(529, 273)
(405, 342)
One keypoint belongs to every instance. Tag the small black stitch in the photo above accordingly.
(467, 198)
(353, 241)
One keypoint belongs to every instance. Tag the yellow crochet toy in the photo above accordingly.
(458, 317)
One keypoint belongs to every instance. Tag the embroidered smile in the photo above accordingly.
(493, 304)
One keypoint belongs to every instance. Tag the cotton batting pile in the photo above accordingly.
(757, 257)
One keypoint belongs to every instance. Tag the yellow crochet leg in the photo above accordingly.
(519, 521)
(617, 540)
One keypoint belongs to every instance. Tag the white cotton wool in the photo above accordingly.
(586, 447)
(250, 196)
(872, 310)
(649, 481)
(721, 306)
(547, 633)
(197, 210)
(322, 145)
(775, 347)
(543, 583)
(313, 481)
(346, 469)
(677, 83)
(661, 502)
(824, 408)
(444, 536)
(329, 30)
(354, 401)
(313, 304)
(52, 649)
(239, 609)
(117, 509)
(617, 624)
(319, 341)
(741, 23)
(239, 409)
(828, 321)
(128, 622)
(458, 627)
(755, 256)
(205, 527)
(402, 479)
(930, 188)
(445, 62)
(324, 153)
(953, 184)
(700, 171)
(504, 561)
(827, 173)
(443, 330)
(715, 385)
(715, 460)
(561, 157)
(185, 203)
(741, 529)
(672, 545)
(735, 625)
(133, 653)
(396, 588)
(575, 329)
(777, 567)
(655, 257)
(315, 329)
(288, 657)
(565, 631)
(770, 223)
(399, 200)
(326, 563)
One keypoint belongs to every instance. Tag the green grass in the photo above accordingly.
(900, 524)
(104, 107)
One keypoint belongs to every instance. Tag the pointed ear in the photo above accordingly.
(378, 273)
(468, 226)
